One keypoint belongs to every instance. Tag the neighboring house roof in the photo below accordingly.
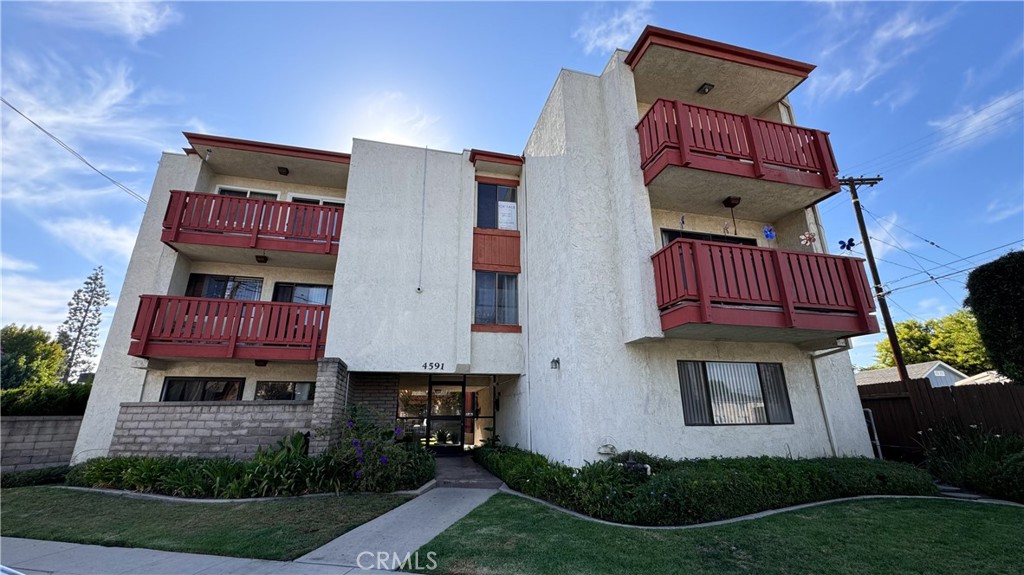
(914, 370)
(984, 377)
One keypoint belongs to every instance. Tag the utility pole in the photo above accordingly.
(883, 305)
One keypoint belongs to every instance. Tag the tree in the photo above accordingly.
(79, 333)
(28, 357)
(953, 339)
(996, 296)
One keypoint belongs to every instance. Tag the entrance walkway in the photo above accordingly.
(462, 486)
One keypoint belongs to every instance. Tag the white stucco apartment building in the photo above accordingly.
(648, 273)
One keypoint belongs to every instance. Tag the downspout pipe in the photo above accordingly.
(815, 356)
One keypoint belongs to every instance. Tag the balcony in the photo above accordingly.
(687, 150)
(223, 228)
(169, 327)
(710, 290)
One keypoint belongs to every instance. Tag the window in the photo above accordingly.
(496, 206)
(303, 293)
(667, 236)
(317, 201)
(224, 287)
(720, 393)
(284, 390)
(239, 193)
(496, 300)
(195, 389)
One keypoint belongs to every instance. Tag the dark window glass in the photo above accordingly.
(284, 390)
(194, 389)
(668, 235)
(224, 287)
(487, 206)
(497, 299)
(733, 393)
(303, 293)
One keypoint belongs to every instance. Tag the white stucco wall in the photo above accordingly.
(274, 371)
(152, 269)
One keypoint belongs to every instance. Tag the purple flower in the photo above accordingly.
(384, 460)
(359, 451)
(350, 423)
(355, 442)
(359, 474)
(398, 431)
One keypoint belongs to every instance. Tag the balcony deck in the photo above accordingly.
(215, 227)
(686, 150)
(710, 290)
(169, 327)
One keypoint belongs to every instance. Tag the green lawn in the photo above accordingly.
(511, 535)
(280, 530)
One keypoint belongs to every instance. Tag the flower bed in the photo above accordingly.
(367, 458)
(683, 492)
(977, 459)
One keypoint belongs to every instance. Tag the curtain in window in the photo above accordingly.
(485, 286)
(776, 400)
(696, 409)
(507, 302)
(735, 391)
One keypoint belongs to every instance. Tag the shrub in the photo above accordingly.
(369, 458)
(681, 492)
(45, 400)
(45, 476)
(996, 296)
(977, 459)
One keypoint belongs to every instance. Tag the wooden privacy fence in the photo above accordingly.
(901, 411)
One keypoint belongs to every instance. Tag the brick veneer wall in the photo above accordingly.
(329, 403)
(377, 390)
(207, 429)
(34, 442)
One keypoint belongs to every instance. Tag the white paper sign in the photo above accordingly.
(507, 216)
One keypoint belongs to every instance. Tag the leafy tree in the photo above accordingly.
(953, 339)
(996, 295)
(28, 357)
(79, 333)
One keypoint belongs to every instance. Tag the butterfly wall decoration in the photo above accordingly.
(847, 245)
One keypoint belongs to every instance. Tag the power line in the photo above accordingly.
(71, 150)
(912, 257)
(934, 132)
(924, 239)
(946, 265)
(903, 309)
(946, 276)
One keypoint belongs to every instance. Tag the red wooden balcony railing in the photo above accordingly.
(709, 282)
(175, 327)
(216, 220)
(673, 133)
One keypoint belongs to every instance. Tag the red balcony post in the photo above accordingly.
(172, 218)
(702, 269)
(827, 159)
(257, 223)
(684, 131)
(860, 296)
(784, 279)
(144, 321)
(756, 149)
(235, 309)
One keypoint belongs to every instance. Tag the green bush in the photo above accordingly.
(368, 458)
(995, 293)
(45, 476)
(45, 400)
(682, 492)
(977, 459)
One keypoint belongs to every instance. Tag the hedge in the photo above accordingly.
(45, 400)
(684, 492)
(44, 476)
(996, 296)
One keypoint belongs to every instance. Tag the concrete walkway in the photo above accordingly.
(373, 545)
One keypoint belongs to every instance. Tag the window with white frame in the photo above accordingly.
(733, 393)
(244, 193)
(315, 201)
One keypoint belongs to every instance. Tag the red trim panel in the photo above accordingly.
(495, 157)
(694, 44)
(497, 181)
(492, 328)
(200, 140)
(496, 250)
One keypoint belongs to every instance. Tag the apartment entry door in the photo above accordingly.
(446, 402)
(448, 413)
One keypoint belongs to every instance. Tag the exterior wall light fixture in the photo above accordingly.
(262, 259)
(282, 170)
(556, 363)
(705, 88)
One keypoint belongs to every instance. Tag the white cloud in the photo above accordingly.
(33, 301)
(886, 236)
(605, 31)
(999, 209)
(392, 117)
(95, 238)
(885, 46)
(897, 98)
(134, 20)
(12, 264)
(973, 125)
(932, 307)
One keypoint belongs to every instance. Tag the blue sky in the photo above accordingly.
(927, 94)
